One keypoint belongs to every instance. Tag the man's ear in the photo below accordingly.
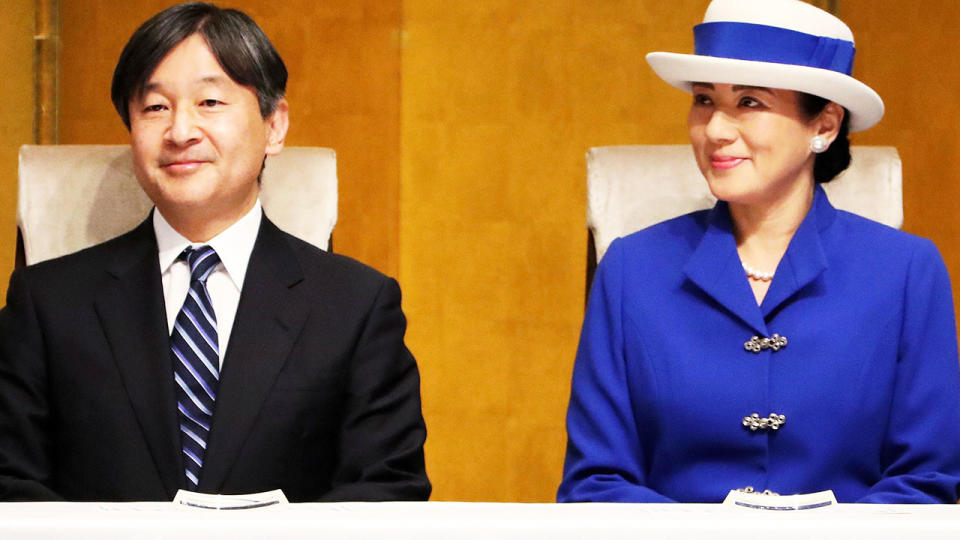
(277, 124)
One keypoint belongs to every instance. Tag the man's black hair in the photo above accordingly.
(238, 44)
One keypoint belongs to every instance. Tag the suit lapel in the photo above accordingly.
(715, 268)
(131, 310)
(269, 318)
(805, 259)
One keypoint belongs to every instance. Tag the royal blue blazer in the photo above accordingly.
(868, 382)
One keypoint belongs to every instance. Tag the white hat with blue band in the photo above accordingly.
(785, 44)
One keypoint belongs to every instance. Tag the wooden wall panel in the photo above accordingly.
(500, 101)
(906, 53)
(16, 120)
(343, 58)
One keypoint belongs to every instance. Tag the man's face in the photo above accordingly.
(199, 140)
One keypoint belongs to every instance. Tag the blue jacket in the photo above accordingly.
(868, 381)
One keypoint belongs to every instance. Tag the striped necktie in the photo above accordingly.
(196, 361)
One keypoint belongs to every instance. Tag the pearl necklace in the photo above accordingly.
(756, 275)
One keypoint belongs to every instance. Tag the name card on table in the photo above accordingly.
(768, 501)
(229, 502)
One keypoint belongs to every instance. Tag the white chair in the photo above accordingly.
(632, 187)
(74, 196)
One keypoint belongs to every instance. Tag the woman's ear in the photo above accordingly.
(829, 121)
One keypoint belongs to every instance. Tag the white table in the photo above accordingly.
(500, 521)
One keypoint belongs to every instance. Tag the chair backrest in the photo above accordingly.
(74, 196)
(632, 187)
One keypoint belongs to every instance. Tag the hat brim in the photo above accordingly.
(681, 70)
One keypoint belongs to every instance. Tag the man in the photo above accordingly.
(206, 349)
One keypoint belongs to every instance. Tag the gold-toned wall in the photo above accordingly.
(501, 99)
(16, 120)
(905, 51)
(344, 93)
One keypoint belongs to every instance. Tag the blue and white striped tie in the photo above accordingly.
(196, 361)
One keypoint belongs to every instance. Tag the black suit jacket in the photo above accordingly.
(319, 396)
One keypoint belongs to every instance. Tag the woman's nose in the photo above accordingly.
(721, 129)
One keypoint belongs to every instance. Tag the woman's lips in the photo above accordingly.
(725, 162)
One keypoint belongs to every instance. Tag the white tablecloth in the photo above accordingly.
(473, 520)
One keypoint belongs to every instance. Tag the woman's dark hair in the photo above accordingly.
(836, 159)
(238, 44)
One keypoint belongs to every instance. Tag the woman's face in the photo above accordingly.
(751, 143)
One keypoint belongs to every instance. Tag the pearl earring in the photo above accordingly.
(819, 144)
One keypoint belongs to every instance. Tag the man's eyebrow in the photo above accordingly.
(212, 79)
(149, 87)
(152, 86)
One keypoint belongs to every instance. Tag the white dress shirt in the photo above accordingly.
(233, 246)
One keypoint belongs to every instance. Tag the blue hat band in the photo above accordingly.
(761, 43)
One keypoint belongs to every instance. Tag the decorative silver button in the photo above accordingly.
(773, 422)
(757, 343)
(749, 489)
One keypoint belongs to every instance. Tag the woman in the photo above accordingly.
(773, 341)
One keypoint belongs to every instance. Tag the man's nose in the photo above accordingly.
(184, 128)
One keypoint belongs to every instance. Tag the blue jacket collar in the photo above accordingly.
(715, 265)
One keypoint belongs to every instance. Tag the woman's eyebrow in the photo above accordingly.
(739, 87)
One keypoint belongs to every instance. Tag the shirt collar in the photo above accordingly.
(234, 245)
